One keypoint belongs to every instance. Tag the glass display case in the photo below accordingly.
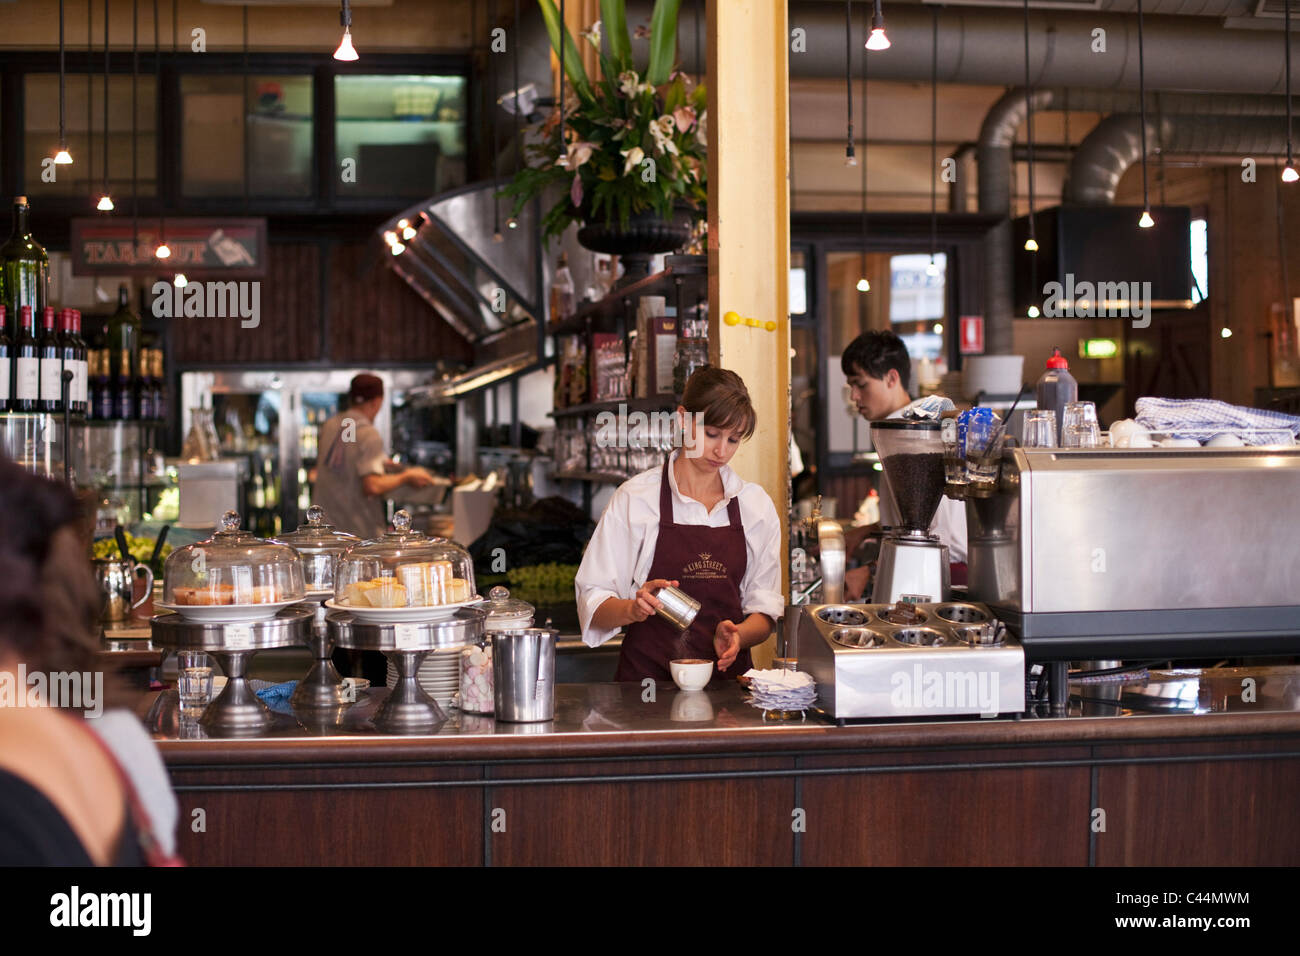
(404, 569)
(319, 545)
(232, 576)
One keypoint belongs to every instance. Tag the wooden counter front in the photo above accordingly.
(616, 780)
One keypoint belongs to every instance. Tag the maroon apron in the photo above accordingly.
(708, 564)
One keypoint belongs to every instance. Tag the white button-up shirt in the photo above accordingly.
(620, 553)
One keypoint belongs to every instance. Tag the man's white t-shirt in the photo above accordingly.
(949, 521)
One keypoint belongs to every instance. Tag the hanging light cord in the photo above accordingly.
(1287, 32)
(90, 100)
(63, 126)
(157, 85)
(848, 75)
(865, 60)
(934, 129)
(135, 169)
(1029, 123)
(1142, 110)
(106, 97)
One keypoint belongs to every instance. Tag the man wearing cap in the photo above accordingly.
(352, 477)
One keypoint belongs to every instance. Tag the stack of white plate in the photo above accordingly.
(439, 675)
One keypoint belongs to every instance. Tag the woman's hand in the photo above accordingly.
(645, 603)
(726, 642)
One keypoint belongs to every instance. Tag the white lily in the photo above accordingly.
(631, 158)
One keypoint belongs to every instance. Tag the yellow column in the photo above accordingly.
(749, 226)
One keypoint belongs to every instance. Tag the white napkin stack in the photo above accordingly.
(781, 690)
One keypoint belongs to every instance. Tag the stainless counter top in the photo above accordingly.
(592, 710)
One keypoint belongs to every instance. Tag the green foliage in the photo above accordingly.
(613, 126)
(139, 548)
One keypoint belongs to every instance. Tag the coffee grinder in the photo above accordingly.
(913, 564)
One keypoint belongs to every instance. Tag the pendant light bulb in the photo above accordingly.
(346, 51)
(390, 237)
(512, 223)
(408, 233)
(877, 40)
(864, 285)
(105, 203)
(397, 248)
(180, 281)
(1033, 312)
(163, 251)
(938, 328)
(1225, 332)
(63, 157)
(1146, 222)
(1289, 175)
(932, 269)
(1031, 244)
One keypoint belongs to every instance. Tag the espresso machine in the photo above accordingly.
(913, 564)
(1140, 553)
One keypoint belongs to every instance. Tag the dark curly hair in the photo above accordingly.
(48, 599)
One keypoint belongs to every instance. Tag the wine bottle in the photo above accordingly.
(6, 361)
(102, 387)
(49, 354)
(123, 343)
(24, 268)
(27, 366)
(159, 386)
(144, 387)
(68, 359)
(80, 364)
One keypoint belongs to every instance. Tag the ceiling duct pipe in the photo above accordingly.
(994, 160)
(1187, 53)
(1114, 145)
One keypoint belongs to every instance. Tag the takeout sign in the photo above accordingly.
(229, 248)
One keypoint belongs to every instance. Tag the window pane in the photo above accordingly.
(279, 131)
(917, 303)
(86, 174)
(405, 135)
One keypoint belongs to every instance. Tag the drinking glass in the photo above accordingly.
(1081, 435)
(1078, 413)
(193, 682)
(1040, 428)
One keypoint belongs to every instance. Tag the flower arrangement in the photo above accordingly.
(631, 141)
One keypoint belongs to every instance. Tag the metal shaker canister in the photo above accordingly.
(677, 607)
(523, 664)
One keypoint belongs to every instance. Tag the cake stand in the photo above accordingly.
(237, 710)
(408, 707)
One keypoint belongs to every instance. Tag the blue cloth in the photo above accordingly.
(1203, 418)
(276, 696)
(927, 409)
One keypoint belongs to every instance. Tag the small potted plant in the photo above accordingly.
(629, 156)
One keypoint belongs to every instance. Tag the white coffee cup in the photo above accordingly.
(691, 674)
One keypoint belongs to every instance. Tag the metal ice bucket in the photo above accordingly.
(523, 663)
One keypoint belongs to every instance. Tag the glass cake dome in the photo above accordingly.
(404, 569)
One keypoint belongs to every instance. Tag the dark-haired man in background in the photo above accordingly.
(879, 370)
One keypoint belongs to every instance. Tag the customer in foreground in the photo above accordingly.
(79, 784)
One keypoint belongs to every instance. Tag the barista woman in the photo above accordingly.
(695, 524)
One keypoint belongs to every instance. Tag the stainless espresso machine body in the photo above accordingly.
(1092, 554)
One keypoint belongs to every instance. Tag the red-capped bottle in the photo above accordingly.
(27, 366)
(6, 362)
(50, 353)
(1056, 388)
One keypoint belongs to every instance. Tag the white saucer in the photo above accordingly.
(402, 615)
(227, 613)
